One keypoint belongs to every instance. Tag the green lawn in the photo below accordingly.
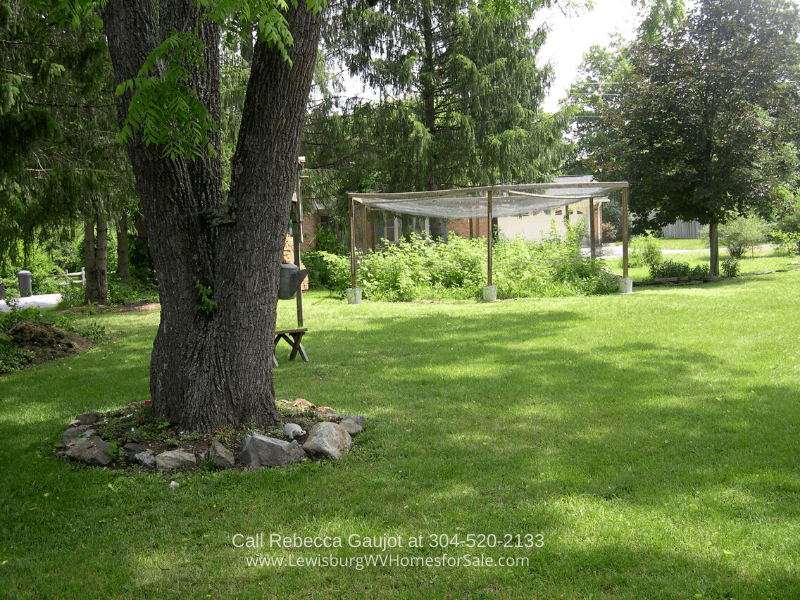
(650, 439)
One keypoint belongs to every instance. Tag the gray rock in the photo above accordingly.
(262, 451)
(175, 459)
(89, 418)
(88, 433)
(326, 412)
(350, 426)
(70, 436)
(358, 419)
(327, 439)
(221, 456)
(293, 430)
(146, 459)
(131, 450)
(94, 452)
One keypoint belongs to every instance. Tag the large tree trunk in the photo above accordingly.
(95, 254)
(123, 265)
(213, 368)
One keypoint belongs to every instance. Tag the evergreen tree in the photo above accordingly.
(460, 95)
(59, 160)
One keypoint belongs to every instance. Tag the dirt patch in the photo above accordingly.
(141, 306)
(46, 341)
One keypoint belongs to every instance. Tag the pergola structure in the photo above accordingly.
(490, 201)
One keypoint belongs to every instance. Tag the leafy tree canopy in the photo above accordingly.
(700, 123)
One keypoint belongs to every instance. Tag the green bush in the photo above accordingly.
(419, 267)
(326, 241)
(789, 241)
(701, 272)
(740, 233)
(670, 268)
(644, 251)
(136, 290)
(71, 296)
(326, 270)
(730, 267)
(787, 227)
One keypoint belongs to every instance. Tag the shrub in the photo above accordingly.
(789, 241)
(670, 268)
(326, 241)
(608, 233)
(327, 270)
(730, 267)
(71, 296)
(740, 233)
(419, 267)
(787, 232)
(644, 252)
(136, 290)
(701, 272)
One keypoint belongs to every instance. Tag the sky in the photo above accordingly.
(571, 37)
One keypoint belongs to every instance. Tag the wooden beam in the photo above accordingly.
(489, 235)
(363, 228)
(351, 210)
(625, 232)
(297, 238)
(592, 228)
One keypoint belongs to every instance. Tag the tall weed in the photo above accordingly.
(420, 268)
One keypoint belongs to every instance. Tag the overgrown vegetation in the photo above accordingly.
(740, 234)
(420, 268)
(673, 268)
(644, 251)
(119, 293)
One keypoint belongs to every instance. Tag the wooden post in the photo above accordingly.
(297, 238)
(471, 235)
(363, 228)
(351, 208)
(566, 214)
(489, 236)
(625, 232)
(592, 228)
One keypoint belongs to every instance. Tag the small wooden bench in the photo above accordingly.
(293, 337)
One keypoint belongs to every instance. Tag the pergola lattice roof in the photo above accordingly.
(491, 201)
(507, 200)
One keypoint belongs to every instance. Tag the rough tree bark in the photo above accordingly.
(123, 264)
(213, 368)
(95, 256)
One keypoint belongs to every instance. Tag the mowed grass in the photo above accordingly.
(650, 439)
